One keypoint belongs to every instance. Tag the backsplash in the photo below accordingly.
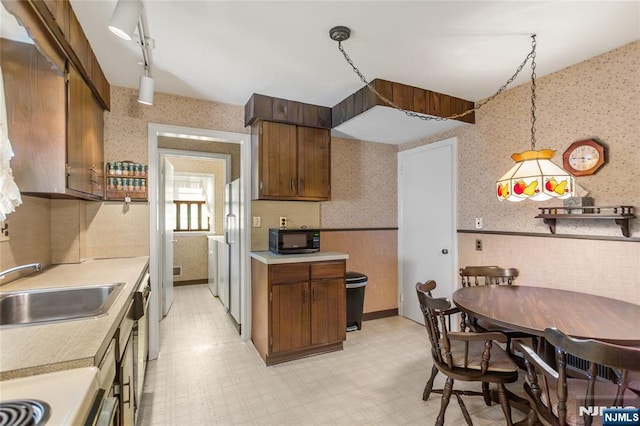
(30, 235)
(298, 213)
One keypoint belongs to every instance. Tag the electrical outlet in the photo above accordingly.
(283, 222)
(478, 244)
(4, 231)
(257, 221)
(478, 223)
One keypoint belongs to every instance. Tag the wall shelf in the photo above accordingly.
(127, 179)
(620, 214)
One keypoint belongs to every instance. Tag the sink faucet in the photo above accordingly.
(36, 267)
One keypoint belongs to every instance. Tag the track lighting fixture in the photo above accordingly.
(125, 18)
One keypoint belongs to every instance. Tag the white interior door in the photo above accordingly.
(167, 246)
(427, 221)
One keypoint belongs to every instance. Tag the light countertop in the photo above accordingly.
(270, 258)
(36, 349)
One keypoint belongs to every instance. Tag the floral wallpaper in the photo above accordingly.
(598, 98)
(363, 186)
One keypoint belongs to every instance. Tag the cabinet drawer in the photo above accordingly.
(327, 270)
(289, 273)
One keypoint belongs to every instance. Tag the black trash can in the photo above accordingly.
(356, 283)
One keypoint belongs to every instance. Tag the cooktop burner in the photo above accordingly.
(24, 412)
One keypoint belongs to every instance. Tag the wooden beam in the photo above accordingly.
(406, 97)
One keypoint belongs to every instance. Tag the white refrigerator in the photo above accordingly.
(231, 300)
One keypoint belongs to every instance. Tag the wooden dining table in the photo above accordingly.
(533, 309)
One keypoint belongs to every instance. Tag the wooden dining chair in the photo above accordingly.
(556, 398)
(491, 275)
(428, 389)
(464, 356)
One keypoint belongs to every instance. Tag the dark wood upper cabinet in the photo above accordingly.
(85, 147)
(55, 113)
(55, 125)
(290, 162)
(35, 99)
(52, 24)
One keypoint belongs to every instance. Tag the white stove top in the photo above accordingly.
(69, 394)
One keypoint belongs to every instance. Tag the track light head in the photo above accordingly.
(125, 18)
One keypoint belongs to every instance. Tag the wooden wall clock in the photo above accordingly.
(584, 158)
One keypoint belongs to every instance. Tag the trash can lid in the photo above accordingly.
(355, 278)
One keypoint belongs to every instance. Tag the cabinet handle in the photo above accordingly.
(304, 296)
(301, 184)
(292, 184)
(93, 175)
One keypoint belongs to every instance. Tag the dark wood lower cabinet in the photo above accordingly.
(299, 309)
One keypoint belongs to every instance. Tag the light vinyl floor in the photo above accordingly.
(206, 376)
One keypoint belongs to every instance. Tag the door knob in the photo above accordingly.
(445, 251)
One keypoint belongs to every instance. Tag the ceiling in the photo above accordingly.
(227, 50)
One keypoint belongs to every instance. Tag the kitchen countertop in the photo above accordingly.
(37, 349)
(270, 258)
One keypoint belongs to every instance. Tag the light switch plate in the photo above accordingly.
(257, 221)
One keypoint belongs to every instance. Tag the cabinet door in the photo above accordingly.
(35, 98)
(84, 138)
(290, 307)
(313, 163)
(328, 311)
(278, 160)
(127, 383)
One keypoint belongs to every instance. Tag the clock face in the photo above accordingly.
(584, 157)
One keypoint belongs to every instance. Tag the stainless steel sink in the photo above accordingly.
(57, 304)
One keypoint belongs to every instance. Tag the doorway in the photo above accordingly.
(192, 186)
(156, 232)
(427, 245)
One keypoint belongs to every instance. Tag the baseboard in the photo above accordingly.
(190, 282)
(367, 316)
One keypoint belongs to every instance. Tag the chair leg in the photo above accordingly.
(463, 407)
(486, 393)
(446, 395)
(504, 401)
(429, 386)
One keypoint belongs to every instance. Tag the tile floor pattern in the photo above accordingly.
(206, 376)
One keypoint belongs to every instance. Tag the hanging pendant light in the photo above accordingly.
(534, 176)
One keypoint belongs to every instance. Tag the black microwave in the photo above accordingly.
(294, 241)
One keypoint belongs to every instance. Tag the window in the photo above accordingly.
(191, 216)
(194, 201)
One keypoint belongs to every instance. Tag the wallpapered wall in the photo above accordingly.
(126, 137)
(363, 186)
(598, 98)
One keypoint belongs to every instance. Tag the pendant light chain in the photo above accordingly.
(530, 55)
(533, 92)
